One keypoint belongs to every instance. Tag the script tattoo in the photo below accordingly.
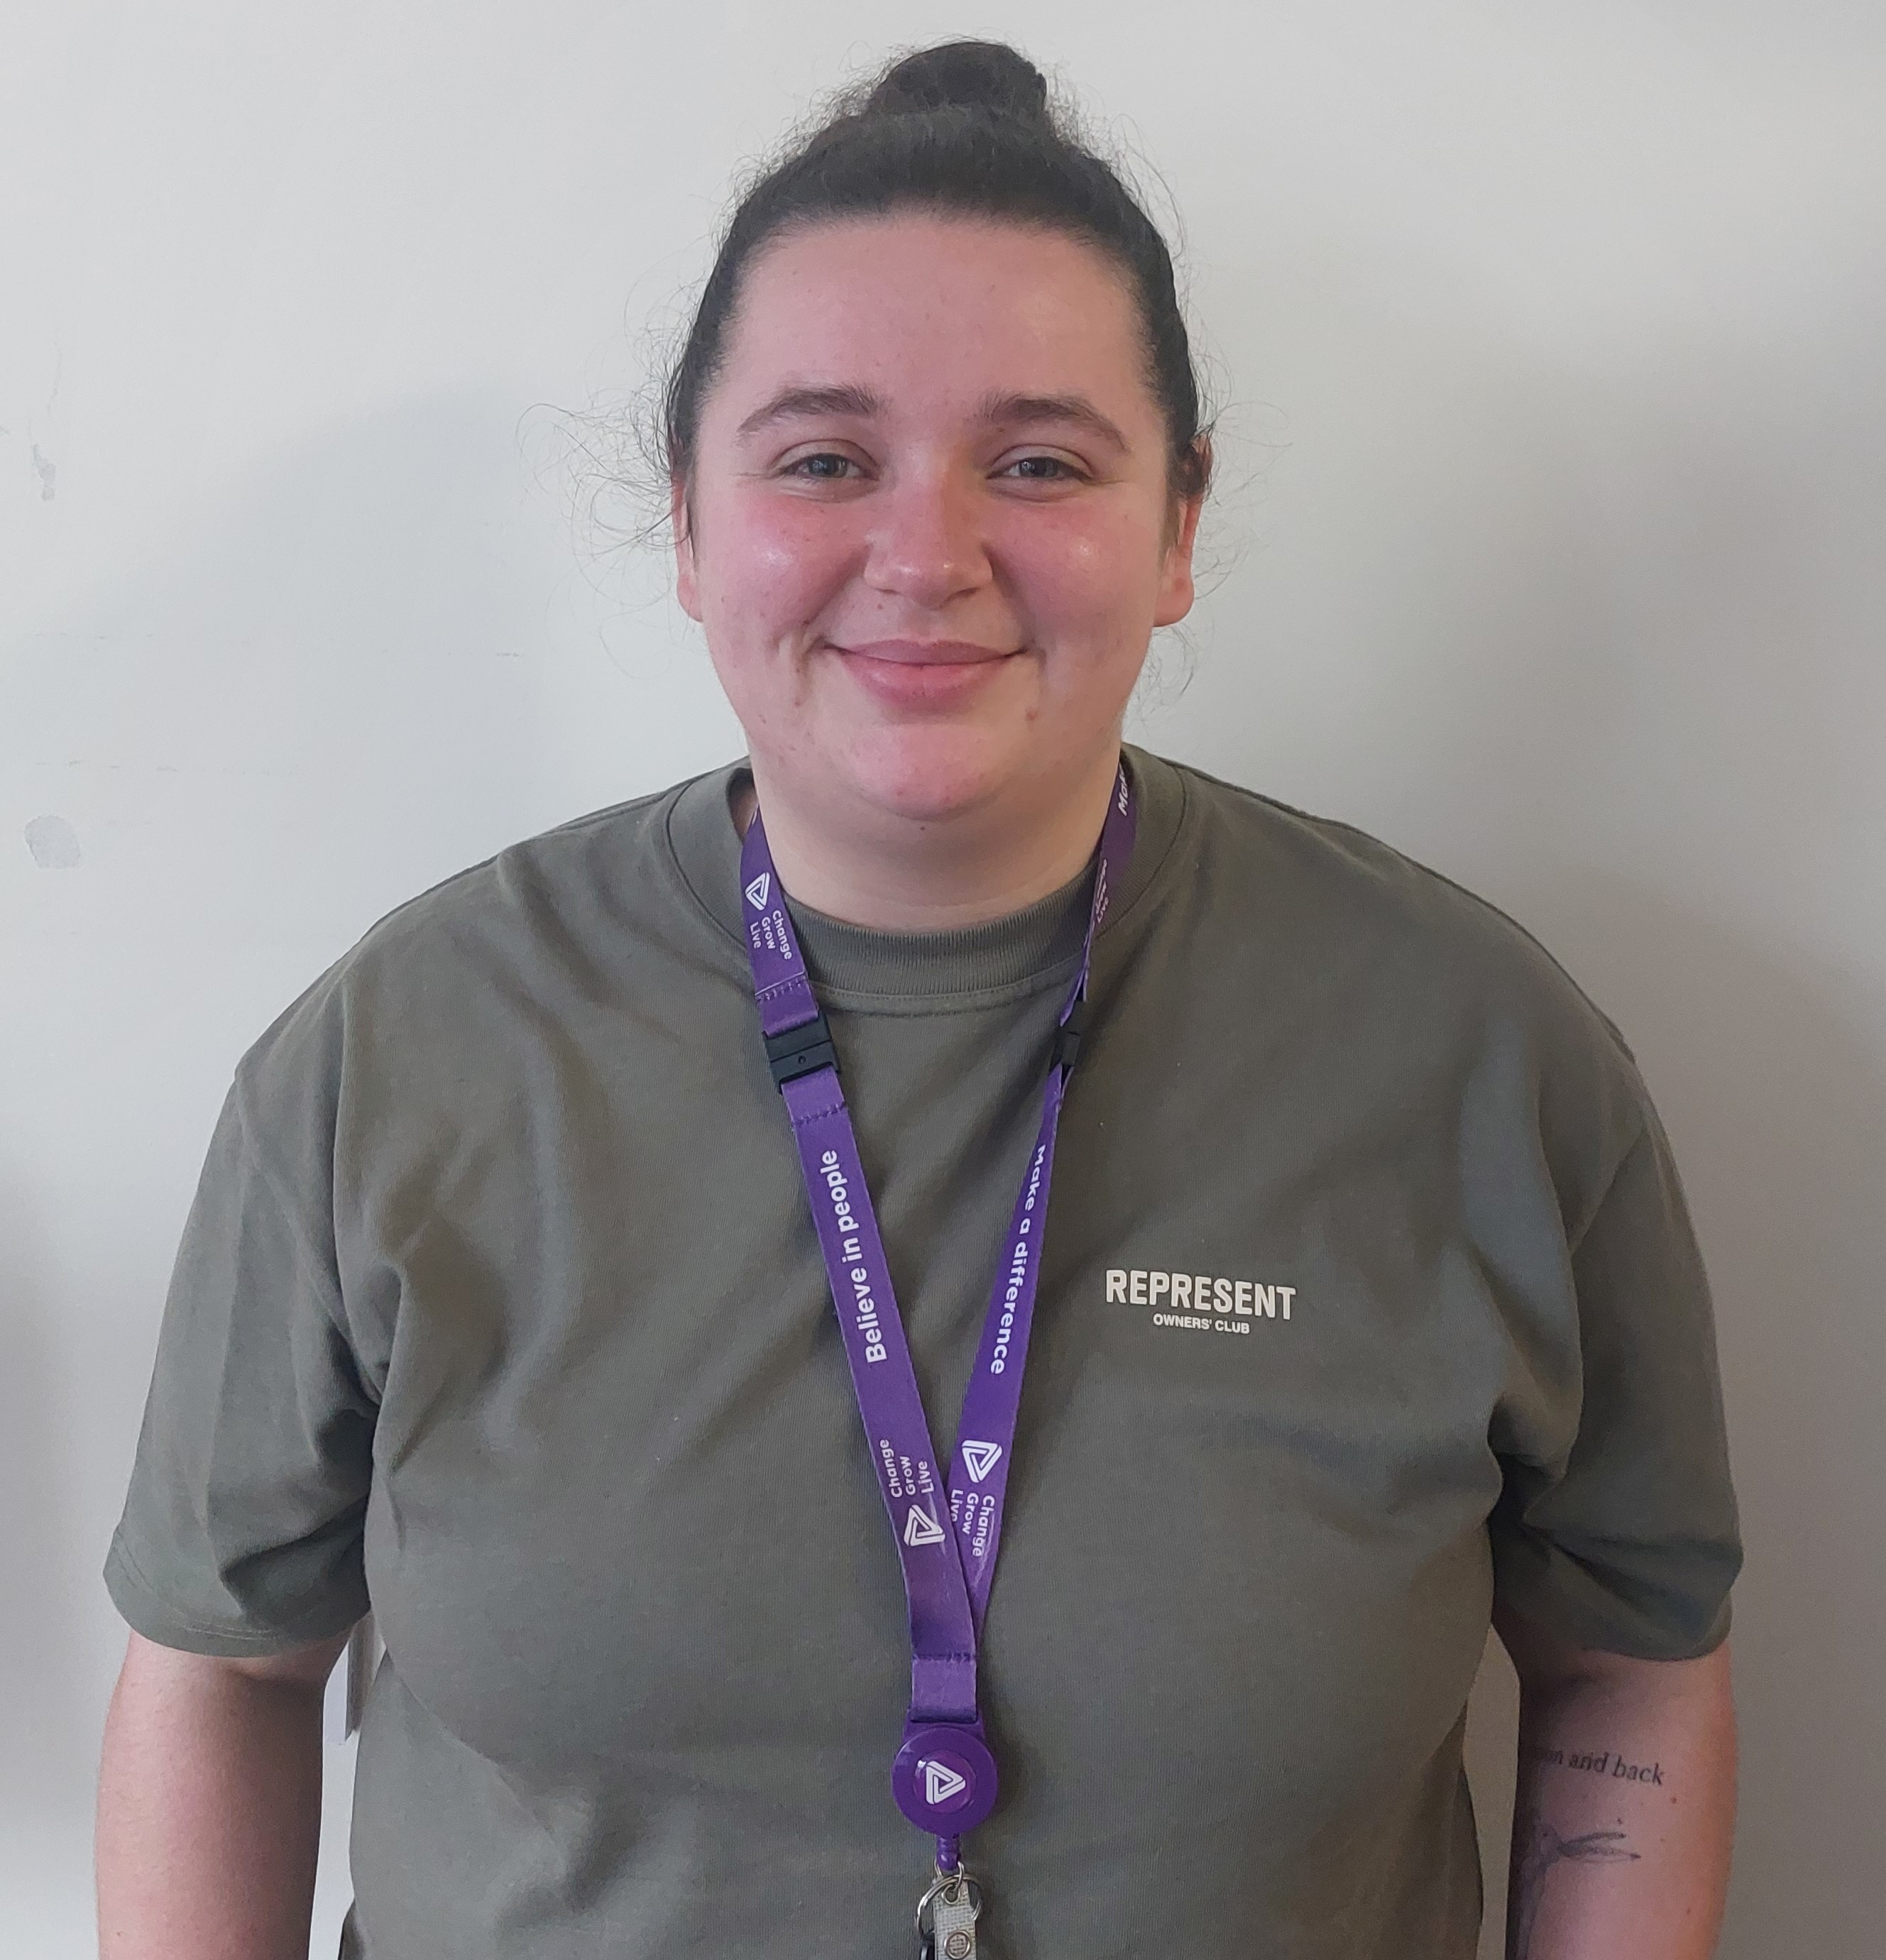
(1538, 1850)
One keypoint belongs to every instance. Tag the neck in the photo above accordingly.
(902, 874)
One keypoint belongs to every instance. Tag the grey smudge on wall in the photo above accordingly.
(46, 470)
(53, 842)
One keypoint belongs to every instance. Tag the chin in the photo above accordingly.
(930, 774)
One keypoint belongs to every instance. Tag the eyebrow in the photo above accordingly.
(994, 410)
(791, 402)
(997, 409)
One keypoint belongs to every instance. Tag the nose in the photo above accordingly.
(925, 543)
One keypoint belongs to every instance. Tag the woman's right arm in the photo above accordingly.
(209, 1804)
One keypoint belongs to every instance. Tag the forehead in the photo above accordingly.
(913, 304)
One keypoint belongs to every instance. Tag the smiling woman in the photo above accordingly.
(938, 372)
(506, 1305)
(927, 524)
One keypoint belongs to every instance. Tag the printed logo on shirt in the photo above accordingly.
(757, 892)
(920, 1528)
(1200, 1303)
(979, 1459)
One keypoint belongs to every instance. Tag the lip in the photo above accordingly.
(924, 676)
(927, 653)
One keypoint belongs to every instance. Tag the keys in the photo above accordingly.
(946, 1916)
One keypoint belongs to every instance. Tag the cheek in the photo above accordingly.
(769, 565)
(1087, 579)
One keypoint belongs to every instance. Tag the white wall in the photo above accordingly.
(1552, 548)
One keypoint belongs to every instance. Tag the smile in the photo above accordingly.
(924, 673)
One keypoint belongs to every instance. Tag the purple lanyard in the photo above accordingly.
(943, 1777)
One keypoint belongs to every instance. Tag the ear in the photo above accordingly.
(1176, 592)
(687, 588)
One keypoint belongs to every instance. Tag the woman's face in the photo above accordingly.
(931, 534)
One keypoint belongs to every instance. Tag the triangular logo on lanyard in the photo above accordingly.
(920, 1528)
(757, 891)
(979, 1459)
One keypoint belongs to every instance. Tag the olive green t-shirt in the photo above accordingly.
(1369, 1295)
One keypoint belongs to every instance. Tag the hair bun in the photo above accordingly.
(968, 75)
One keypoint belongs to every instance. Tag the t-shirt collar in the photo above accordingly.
(1039, 945)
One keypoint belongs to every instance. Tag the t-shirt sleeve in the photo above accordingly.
(241, 1531)
(1624, 1536)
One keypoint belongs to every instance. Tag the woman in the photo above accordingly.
(1368, 1308)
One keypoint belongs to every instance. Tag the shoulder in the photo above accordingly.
(1348, 896)
(561, 879)
(1412, 976)
(566, 913)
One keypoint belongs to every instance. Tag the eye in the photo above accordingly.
(1037, 469)
(798, 467)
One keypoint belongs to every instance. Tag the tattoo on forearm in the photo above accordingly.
(1538, 1851)
(1598, 1762)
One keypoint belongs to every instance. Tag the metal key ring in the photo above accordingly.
(944, 1885)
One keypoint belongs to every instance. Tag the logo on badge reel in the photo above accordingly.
(944, 1779)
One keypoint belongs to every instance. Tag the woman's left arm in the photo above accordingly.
(1625, 1804)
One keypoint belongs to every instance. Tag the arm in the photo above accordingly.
(1625, 1803)
(209, 1804)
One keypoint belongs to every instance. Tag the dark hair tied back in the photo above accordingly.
(963, 127)
(962, 75)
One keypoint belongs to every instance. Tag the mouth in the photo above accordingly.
(924, 673)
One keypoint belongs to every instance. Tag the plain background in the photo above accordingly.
(1551, 343)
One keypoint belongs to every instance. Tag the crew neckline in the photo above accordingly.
(923, 971)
